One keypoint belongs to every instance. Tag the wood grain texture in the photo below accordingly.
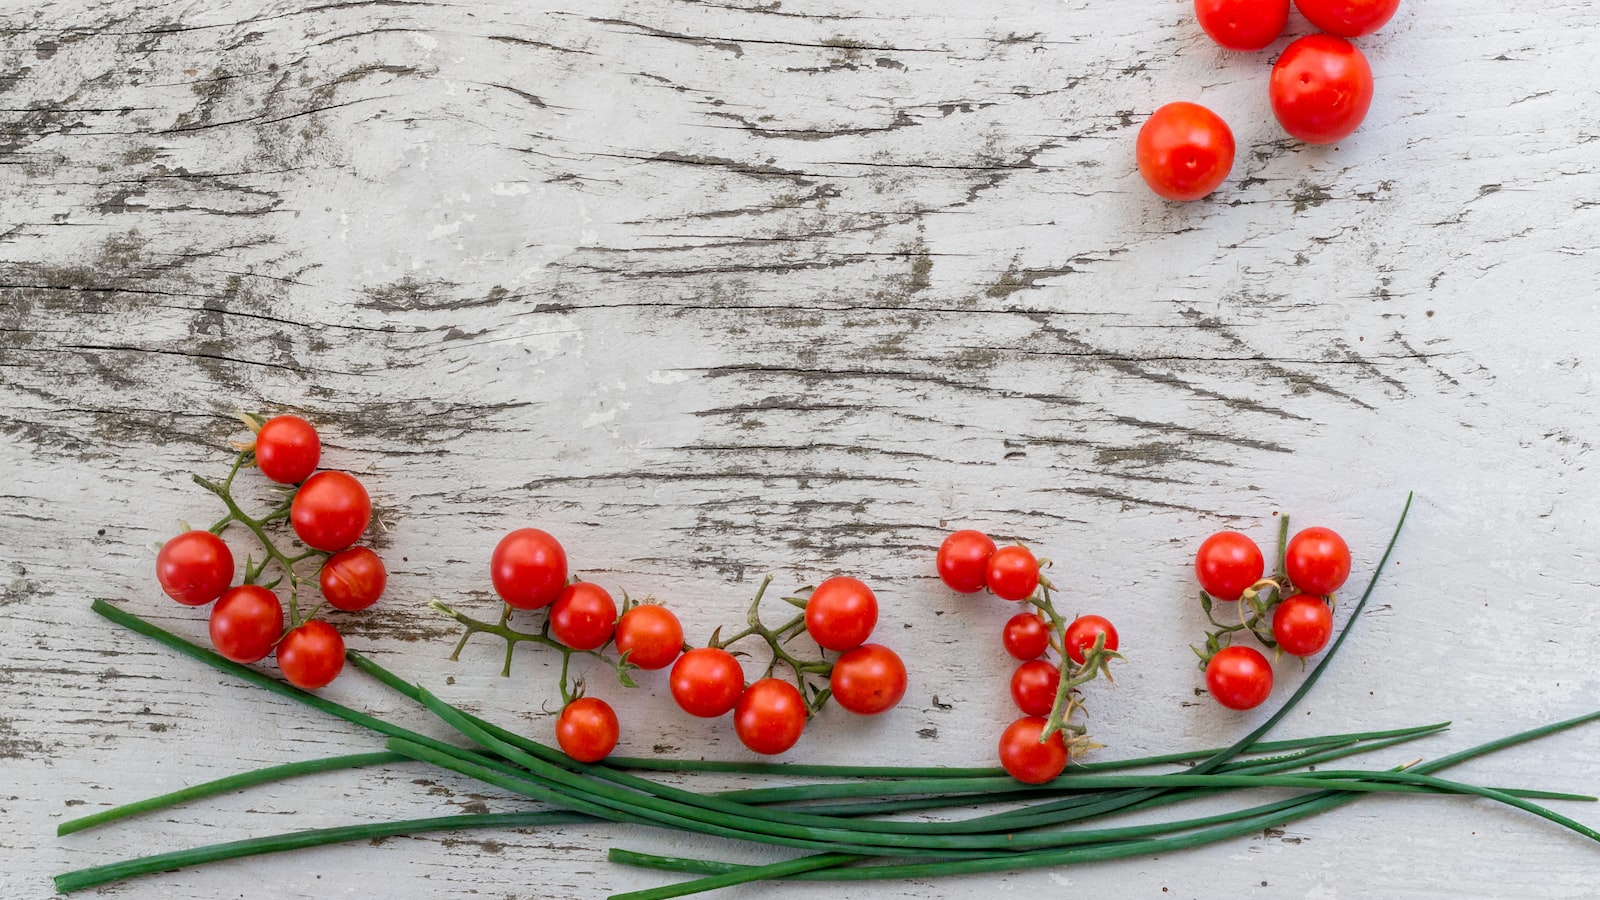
(716, 289)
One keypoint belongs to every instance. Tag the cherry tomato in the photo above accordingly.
(770, 716)
(194, 568)
(587, 729)
(1317, 561)
(1026, 636)
(650, 635)
(528, 568)
(584, 616)
(1243, 24)
(287, 449)
(1302, 625)
(1033, 687)
(963, 560)
(706, 682)
(246, 622)
(841, 613)
(1321, 89)
(312, 655)
(1227, 564)
(353, 579)
(1013, 573)
(1239, 677)
(1027, 760)
(1082, 634)
(868, 680)
(1348, 18)
(330, 511)
(1185, 151)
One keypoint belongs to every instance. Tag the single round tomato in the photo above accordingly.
(868, 680)
(1239, 677)
(528, 568)
(330, 511)
(1026, 636)
(770, 716)
(1185, 151)
(1242, 24)
(1348, 18)
(1302, 625)
(246, 622)
(287, 449)
(1321, 89)
(841, 613)
(706, 682)
(1084, 631)
(651, 636)
(587, 729)
(963, 560)
(312, 655)
(583, 616)
(353, 579)
(1027, 760)
(1227, 564)
(1033, 687)
(1013, 573)
(194, 568)
(1317, 561)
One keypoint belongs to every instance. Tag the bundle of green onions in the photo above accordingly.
(847, 828)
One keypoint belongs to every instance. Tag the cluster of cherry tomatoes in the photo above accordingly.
(529, 571)
(969, 561)
(1290, 612)
(1320, 88)
(328, 511)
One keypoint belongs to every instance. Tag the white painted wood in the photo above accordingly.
(714, 289)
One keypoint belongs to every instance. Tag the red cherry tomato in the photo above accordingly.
(584, 616)
(1082, 634)
(770, 716)
(1013, 573)
(353, 579)
(587, 729)
(246, 622)
(1227, 564)
(1317, 561)
(1239, 677)
(868, 680)
(1033, 687)
(706, 682)
(287, 449)
(1348, 18)
(1321, 89)
(1026, 636)
(1302, 625)
(312, 655)
(1027, 760)
(963, 560)
(1242, 24)
(528, 568)
(330, 511)
(841, 613)
(194, 568)
(651, 636)
(1185, 151)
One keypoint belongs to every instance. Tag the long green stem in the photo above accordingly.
(117, 871)
(229, 783)
(1258, 818)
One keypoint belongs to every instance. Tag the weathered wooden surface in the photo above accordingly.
(714, 289)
